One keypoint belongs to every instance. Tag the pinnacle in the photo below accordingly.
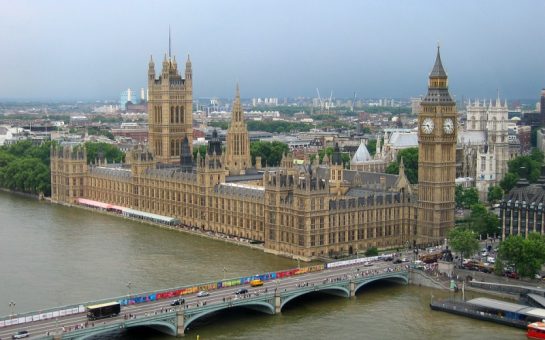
(438, 70)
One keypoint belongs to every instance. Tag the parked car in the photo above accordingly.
(203, 293)
(20, 335)
(241, 291)
(367, 264)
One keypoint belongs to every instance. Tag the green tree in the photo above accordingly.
(108, 151)
(410, 160)
(270, 153)
(201, 149)
(482, 221)
(459, 196)
(528, 166)
(373, 251)
(372, 146)
(221, 125)
(463, 241)
(470, 197)
(495, 193)
(26, 174)
(526, 256)
(509, 181)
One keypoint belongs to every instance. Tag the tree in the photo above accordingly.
(470, 197)
(526, 256)
(372, 146)
(495, 193)
(201, 149)
(463, 241)
(523, 166)
(509, 181)
(271, 153)
(465, 197)
(410, 160)
(373, 251)
(108, 151)
(459, 196)
(482, 221)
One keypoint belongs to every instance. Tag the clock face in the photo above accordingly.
(448, 126)
(427, 126)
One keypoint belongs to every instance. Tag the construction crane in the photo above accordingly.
(353, 106)
(320, 99)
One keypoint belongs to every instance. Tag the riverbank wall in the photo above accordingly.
(420, 278)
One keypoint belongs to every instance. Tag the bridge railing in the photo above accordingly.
(149, 296)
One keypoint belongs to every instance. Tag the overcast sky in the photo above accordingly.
(52, 49)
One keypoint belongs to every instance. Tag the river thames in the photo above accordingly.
(51, 255)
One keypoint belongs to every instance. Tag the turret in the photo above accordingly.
(151, 70)
(188, 71)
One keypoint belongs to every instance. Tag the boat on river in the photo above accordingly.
(536, 330)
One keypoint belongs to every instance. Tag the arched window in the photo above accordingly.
(177, 114)
(172, 147)
(182, 114)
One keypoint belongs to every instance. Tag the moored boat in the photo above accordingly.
(536, 330)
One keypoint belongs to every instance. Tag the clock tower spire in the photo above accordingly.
(436, 158)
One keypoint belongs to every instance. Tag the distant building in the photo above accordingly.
(127, 96)
(542, 107)
(525, 138)
(484, 145)
(415, 105)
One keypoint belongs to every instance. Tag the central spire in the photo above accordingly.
(438, 70)
(169, 43)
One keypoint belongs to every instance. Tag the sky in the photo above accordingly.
(94, 49)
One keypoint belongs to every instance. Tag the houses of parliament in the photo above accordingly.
(305, 211)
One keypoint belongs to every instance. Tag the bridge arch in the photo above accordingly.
(261, 306)
(399, 278)
(162, 326)
(332, 290)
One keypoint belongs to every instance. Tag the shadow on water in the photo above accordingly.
(379, 286)
(310, 300)
(230, 317)
(138, 333)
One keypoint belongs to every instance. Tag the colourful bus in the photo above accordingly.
(103, 310)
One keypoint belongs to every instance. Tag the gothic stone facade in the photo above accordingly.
(305, 211)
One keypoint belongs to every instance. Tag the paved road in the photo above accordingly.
(39, 329)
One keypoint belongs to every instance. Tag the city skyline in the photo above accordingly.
(87, 51)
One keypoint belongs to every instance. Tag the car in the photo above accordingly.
(398, 260)
(20, 335)
(241, 291)
(203, 293)
(178, 302)
(256, 282)
(367, 264)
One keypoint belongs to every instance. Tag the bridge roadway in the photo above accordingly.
(174, 320)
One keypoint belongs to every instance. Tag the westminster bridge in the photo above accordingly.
(154, 310)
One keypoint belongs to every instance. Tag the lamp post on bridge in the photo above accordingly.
(12, 306)
(129, 290)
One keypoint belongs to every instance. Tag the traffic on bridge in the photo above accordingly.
(172, 311)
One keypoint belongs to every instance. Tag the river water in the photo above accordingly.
(51, 255)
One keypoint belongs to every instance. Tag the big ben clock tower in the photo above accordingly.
(437, 129)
